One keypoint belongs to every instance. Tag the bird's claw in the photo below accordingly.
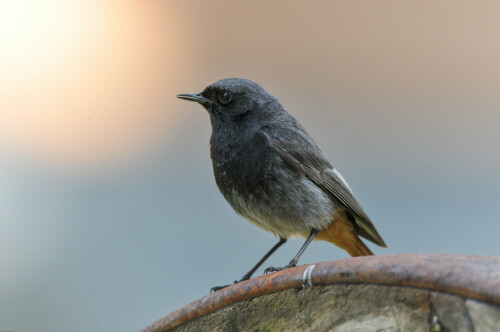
(272, 269)
(216, 288)
(277, 268)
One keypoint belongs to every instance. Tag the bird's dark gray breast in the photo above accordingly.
(243, 168)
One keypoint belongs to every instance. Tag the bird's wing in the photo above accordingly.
(300, 152)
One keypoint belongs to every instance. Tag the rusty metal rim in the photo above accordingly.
(476, 277)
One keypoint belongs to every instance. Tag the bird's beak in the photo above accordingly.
(197, 97)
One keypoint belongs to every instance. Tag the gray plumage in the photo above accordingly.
(269, 168)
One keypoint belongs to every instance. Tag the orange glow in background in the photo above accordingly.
(83, 81)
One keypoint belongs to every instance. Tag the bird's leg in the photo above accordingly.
(249, 273)
(294, 261)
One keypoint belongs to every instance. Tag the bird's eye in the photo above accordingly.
(225, 97)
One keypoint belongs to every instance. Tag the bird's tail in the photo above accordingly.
(360, 249)
(342, 234)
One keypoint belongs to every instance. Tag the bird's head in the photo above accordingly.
(234, 100)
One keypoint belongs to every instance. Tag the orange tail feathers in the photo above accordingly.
(361, 249)
(342, 234)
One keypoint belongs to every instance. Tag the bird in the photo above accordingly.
(272, 173)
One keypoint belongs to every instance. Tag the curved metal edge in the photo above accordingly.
(476, 277)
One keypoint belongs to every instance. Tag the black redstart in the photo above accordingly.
(273, 174)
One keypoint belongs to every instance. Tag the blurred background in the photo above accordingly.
(109, 214)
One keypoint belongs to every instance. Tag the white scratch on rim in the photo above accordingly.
(307, 276)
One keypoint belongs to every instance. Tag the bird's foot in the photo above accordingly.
(277, 268)
(216, 288)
